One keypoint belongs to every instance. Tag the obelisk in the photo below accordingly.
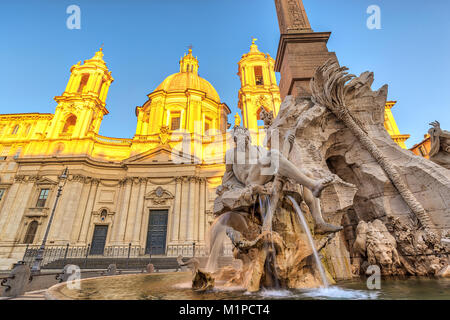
(300, 51)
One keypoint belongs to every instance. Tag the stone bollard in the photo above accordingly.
(68, 271)
(112, 270)
(150, 268)
(181, 265)
(16, 283)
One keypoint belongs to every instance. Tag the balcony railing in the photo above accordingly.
(118, 141)
(64, 252)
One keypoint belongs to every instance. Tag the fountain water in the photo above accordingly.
(267, 208)
(311, 241)
(217, 236)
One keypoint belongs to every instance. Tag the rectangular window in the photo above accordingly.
(207, 126)
(422, 151)
(18, 152)
(2, 193)
(83, 83)
(175, 123)
(43, 195)
(259, 76)
(5, 152)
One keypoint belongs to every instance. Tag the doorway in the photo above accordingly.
(157, 232)
(99, 240)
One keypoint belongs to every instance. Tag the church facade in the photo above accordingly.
(154, 192)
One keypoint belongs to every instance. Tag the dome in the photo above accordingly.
(188, 80)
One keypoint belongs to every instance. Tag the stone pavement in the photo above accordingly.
(32, 295)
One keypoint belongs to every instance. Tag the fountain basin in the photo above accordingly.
(177, 286)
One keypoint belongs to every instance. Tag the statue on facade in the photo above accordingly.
(440, 145)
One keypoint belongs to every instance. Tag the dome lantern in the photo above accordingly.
(189, 63)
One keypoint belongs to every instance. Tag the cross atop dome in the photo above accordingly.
(254, 47)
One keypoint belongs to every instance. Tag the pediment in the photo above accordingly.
(41, 180)
(159, 196)
(160, 155)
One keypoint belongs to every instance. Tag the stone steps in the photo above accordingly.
(160, 263)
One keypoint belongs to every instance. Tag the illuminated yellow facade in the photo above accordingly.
(183, 104)
(259, 89)
(391, 126)
(169, 169)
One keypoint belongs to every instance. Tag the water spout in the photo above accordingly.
(217, 236)
(311, 241)
(265, 209)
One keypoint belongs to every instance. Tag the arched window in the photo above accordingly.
(259, 76)
(101, 86)
(187, 68)
(15, 130)
(27, 130)
(31, 232)
(259, 121)
(70, 124)
(59, 148)
(175, 121)
(83, 82)
(103, 214)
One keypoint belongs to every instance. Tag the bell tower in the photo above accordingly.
(259, 87)
(82, 105)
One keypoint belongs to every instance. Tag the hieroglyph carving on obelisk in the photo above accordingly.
(292, 16)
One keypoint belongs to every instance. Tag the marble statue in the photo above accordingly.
(252, 167)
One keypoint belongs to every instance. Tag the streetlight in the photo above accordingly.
(36, 268)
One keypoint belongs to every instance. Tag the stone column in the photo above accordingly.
(191, 210)
(81, 210)
(184, 210)
(140, 212)
(9, 202)
(145, 123)
(196, 223)
(176, 210)
(202, 210)
(131, 219)
(139, 122)
(16, 212)
(66, 212)
(123, 212)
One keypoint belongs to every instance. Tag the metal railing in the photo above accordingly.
(64, 252)
(53, 253)
(119, 141)
(191, 250)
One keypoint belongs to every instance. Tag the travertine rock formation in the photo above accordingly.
(393, 205)
(340, 130)
(400, 251)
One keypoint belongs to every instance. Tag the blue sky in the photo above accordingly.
(144, 39)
